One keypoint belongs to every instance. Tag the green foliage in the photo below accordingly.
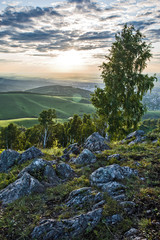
(120, 102)
(12, 137)
(7, 178)
(46, 119)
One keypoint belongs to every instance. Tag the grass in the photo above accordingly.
(26, 122)
(58, 90)
(18, 219)
(151, 115)
(24, 108)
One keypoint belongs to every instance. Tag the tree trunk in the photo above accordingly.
(45, 138)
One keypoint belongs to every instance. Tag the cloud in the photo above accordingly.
(96, 35)
(86, 5)
(36, 35)
(83, 25)
(79, 1)
(140, 24)
(12, 4)
(155, 32)
(16, 18)
(4, 33)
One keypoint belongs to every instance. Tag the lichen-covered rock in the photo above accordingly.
(138, 133)
(116, 156)
(131, 232)
(113, 188)
(72, 148)
(84, 197)
(113, 219)
(98, 205)
(30, 153)
(8, 159)
(109, 178)
(64, 170)
(21, 187)
(86, 157)
(135, 137)
(138, 139)
(42, 169)
(110, 173)
(129, 206)
(65, 157)
(68, 228)
(95, 143)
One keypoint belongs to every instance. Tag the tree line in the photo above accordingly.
(49, 132)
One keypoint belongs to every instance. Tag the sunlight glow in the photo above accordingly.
(69, 61)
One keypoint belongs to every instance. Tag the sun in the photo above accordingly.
(69, 61)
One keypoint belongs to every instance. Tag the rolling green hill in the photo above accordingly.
(29, 105)
(27, 122)
(23, 108)
(58, 90)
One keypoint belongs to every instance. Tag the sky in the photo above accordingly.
(48, 38)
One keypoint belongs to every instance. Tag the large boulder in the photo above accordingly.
(64, 171)
(109, 180)
(8, 159)
(30, 153)
(96, 142)
(110, 173)
(42, 170)
(68, 228)
(21, 187)
(84, 197)
(86, 157)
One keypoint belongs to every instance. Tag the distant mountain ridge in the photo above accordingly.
(58, 90)
(10, 85)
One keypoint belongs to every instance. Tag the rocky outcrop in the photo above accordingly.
(110, 173)
(115, 156)
(21, 187)
(72, 148)
(85, 196)
(95, 143)
(128, 206)
(131, 232)
(109, 179)
(8, 159)
(65, 157)
(30, 153)
(64, 171)
(68, 228)
(113, 188)
(138, 133)
(86, 157)
(114, 219)
(135, 137)
(42, 170)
